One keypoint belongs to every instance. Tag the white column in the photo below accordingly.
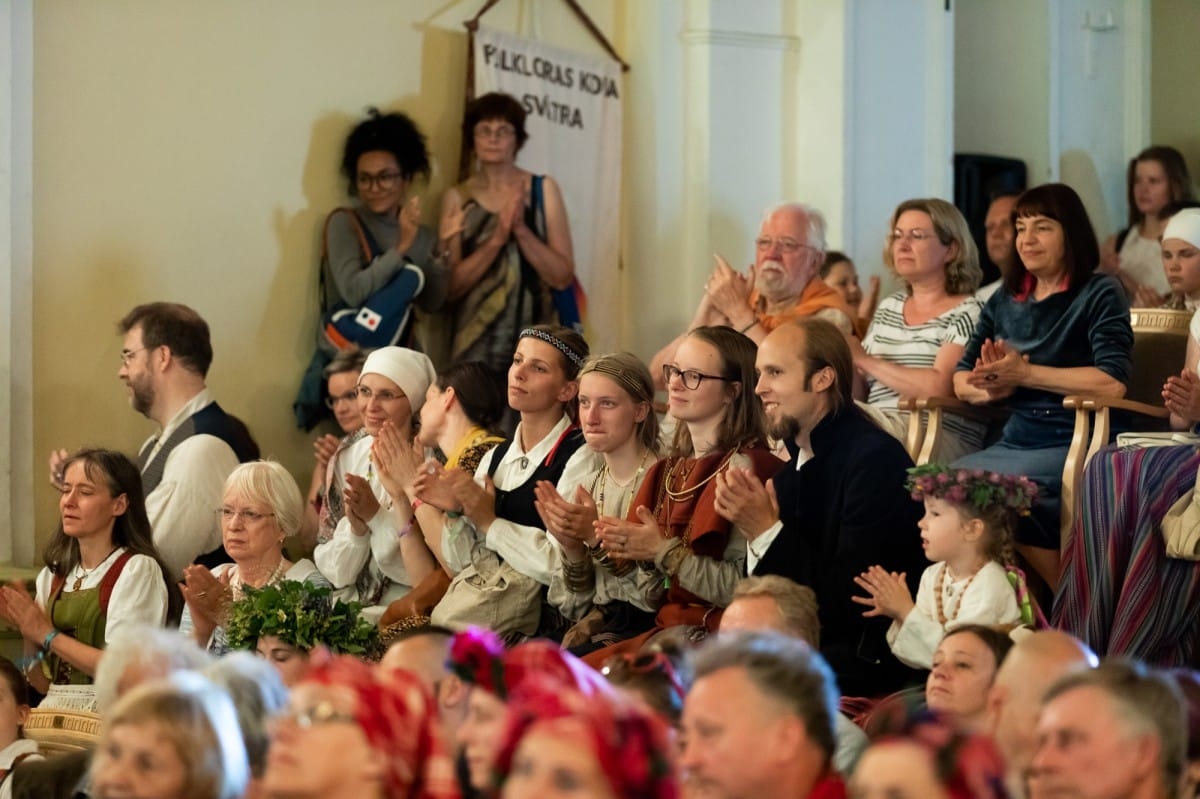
(16, 282)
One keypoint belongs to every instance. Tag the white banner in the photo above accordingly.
(573, 102)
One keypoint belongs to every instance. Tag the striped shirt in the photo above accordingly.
(893, 339)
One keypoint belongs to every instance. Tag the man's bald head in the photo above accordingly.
(424, 652)
(1035, 663)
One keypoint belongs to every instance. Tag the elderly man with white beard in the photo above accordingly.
(782, 285)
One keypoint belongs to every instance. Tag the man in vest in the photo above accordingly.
(165, 357)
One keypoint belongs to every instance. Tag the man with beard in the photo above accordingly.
(783, 285)
(165, 357)
(837, 508)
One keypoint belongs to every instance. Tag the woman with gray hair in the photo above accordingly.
(919, 333)
(173, 737)
(258, 695)
(260, 509)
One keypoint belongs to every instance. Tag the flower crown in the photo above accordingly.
(976, 487)
(303, 615)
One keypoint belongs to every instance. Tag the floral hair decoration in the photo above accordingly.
(303, 615)
(980, 489)
(478, 657)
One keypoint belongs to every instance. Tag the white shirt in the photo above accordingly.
(10, 753)
(138, 597)
(342, 558)
(183, 506)
(529, 550)
(989, 599)
(756, 550)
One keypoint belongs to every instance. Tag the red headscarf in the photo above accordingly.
(630, 743)
(399, 719)
(478, 657)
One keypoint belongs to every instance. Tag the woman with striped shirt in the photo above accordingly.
(919, 333)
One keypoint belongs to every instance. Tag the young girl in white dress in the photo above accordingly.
(967, 533)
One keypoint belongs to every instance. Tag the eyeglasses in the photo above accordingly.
(366, 394)
(321, 713)
(127, 355)
(690, 378)
(227, 515)
(916, 235)
(349, 396)
(786, 245)
(497, 132)
(384, 181)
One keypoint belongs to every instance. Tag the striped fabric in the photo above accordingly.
(893, 339)
(1119, 592)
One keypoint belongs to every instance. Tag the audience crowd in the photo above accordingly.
(514, 574)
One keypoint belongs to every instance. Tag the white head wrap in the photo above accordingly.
(1184, 225)
(409, 369)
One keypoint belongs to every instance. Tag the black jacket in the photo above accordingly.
(845, 510)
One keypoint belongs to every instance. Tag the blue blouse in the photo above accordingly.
(1088, 326)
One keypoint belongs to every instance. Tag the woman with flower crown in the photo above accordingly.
(967, 532)
(672, 522)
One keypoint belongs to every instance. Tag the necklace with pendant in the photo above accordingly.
(83, 573)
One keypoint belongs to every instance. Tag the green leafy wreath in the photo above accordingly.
(303, 615)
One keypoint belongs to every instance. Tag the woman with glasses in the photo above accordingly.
(605, 600)
(354, 732)
(323, 510)
(505, 236)
(376, 552)
(919, 333)
(102, 574)
(382, 156)
(260, 507)
(672, 523)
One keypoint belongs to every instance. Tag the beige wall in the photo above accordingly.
(1174, 65)
(188, 151)
(1001, 96)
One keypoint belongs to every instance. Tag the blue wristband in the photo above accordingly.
(48, 640)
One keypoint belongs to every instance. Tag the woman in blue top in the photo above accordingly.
(1056, 328)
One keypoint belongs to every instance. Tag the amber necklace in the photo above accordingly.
(687, 493)
(937, 597)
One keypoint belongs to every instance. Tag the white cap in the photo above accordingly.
(1184, 225)
(409, 369)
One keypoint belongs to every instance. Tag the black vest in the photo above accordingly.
(517, 505)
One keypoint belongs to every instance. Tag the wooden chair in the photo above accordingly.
(1160, 339)
(61, 731)
(1159, 346)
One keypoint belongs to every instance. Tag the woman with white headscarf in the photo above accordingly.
(1119, 592)
(373, 553)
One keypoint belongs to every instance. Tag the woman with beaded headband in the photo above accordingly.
(967, 532)
(261, 506)
(102, 574)
(493, 535)
(607, 600)
(672, 522)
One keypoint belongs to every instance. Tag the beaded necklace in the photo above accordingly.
(625, 497)
(236, 582)
(937, 597)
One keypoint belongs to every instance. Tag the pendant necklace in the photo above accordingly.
(83, 573)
